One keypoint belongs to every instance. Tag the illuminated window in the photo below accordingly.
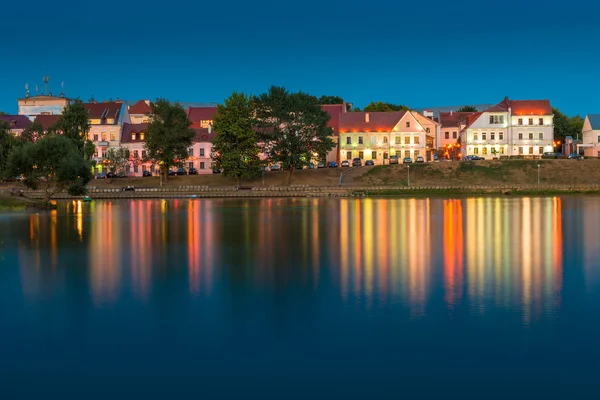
(361, 155)
(348, 140)
(496, 119)
(541, 136)
(475, 136)
(112, 136)
(385, 155)
(520, 121)
(520, 150)
(360, 140)
(447, 135)
(416, 140)
(103, 136)
(483, 136)
(348, 155)
(373, 155)
(540, 150)
(541, 121)
(501, 135)
(475, 150)
(142, 136)
(407, 153)
(501, 150)
(520, 136)
(453, 135)
(399, 140)
(492, 136)
(531, 150)
(530, 121)
(416, 153)
(406, 139)
(385, 139)
(132, 135)
(530, 135)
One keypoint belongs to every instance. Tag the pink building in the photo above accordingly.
(133, 138)
(202, 119)
(452, 123)
(16, 123)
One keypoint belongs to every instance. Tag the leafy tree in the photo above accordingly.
(118, 159)
(565, 126)
(3, 113)
(53, 163)
(235, 144)
(356, 109)
(331, 100)
(467, 109)
(384, 107)
(74, 124)
(293, 128)
(7, 143)
(32, 133)
(169, 134)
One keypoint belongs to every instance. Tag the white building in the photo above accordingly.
(510, 128)
(591, 136)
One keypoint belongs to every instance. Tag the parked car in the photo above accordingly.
(101, 175)
(320, 164)
(275, 167)
(549, 154)
(357, 162)
(575, 156)
(192, 171)
(393, 159)
(477, 158)
(332, 164)
(216, 171)
(111, 175)
(172, 172)
(181, 171)
(369, 163)
(20, 178)
(146, 173)
(420, 159)
(407, 160)
(436, 158)
(345, 163)
(310, 166)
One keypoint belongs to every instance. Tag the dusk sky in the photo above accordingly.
(422, 54)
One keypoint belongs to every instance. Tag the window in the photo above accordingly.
(598, 138)
(190, 165)
(427, 130)
(541, 150)
(501, 135)
(373, 155)
(399, 140)
(407, 153)
(475, 150)
(142, 136)
(360, 140)
(501, 149)
(530, 135)
(95, 137)
(520, 150)
(520, 121)
(447, 135)
(103, 136)
(541, 136)
(531, 150)
(483, 136)
(132, 135)
(408, 124)
(348, 155)
(112, 137)
(191, 152)
(416, 153)
(361, 154)
(348, 140)
(202, 152)
(453, 135)
(385, 139)
(496, 119)
(373, 139)
(475, 136)
(541, 121)
(202, 165)
(144, 154)
(520, 136)
(530, 121)
(416, 140)
(385, 155)
(406, 139)
(135, 168)
(484, 151)
(135, 154)
(492, 136)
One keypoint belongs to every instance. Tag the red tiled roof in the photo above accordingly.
(104, 110)
(198, 114)
(378, 121)
(16, 121)
(454, 118)
(472, 118)
(530, 107)
(47, 120)
(202, 135)
(335, 112)
(128, 129)
(140, 108)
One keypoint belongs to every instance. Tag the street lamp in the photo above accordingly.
(538, 174)
(408, 175)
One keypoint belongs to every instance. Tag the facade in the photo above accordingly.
(16, 123)
(510, 128)
(335, 111)
(106, 120)
(451, 125)
(41, 105)
(590, 133)
(140, 112)
(201, 150)
(46, 120)
(133, 138)
(378, 135)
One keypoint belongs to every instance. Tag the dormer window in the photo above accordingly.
(408, 124)
(132, 135)
(142, 135)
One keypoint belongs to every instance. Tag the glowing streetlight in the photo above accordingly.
(408, 175)
(538, 167)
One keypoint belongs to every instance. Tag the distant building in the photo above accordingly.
(16, 123)
(335, 111)
(199, 155)
(140, 112)
(510, 128)
(451, 125)
(41, 105)
(590, 142)
(46, 121)
(106, 120)
(133, 138)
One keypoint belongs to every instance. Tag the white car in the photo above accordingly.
(345, 163)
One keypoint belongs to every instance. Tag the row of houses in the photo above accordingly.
(509, 128)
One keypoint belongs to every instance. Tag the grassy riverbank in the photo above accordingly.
(12, 204)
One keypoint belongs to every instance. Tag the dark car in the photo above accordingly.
(101, 175)
(111, 175)
(146, 173)
(369, 163)
(321, 164)
(575, 156)
(192, 171)
(393, 159)
(332, 164)
(172, 172)
(216, 171)
(181, 171)
(407, 160)
(357, 162)
(275, 167)
(549, 154)
(477, 158)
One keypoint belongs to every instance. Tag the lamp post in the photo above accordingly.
(408, 175)
(538, 175)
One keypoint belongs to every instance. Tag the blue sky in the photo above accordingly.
(423, 54)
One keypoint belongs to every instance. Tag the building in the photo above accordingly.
(451, 125)
(590, 135)
(106, 120)
(378, 135)
(133, 138)
(16, 123)
(510, 128)
(42, 105)
(335, 112)
(140, 112)
(202, 119)
(46, 121)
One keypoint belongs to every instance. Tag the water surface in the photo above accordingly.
(302, 298)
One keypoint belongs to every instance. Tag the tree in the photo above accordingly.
(3, 113)
(565, 126)
(7, 143)
(53, 163)
(331, 100)
(293, 128)
(235, 144)
(169, 134)
(467, 109)
(118, 159)
(74, 124)
(384, 107)
(32, 133)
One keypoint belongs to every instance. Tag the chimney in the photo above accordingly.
(147, 102)
(367, 117)
(450, 112)
(209, 128)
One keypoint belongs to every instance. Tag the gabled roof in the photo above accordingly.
(198, 114)
(128, 129)
(594, 121)
(140, 108)
(104, 110)
(377, 121)
(47, 120)
(335, 111)
(454, 118)
(16, 121)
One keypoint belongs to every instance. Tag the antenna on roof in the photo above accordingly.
(27, 90)
(36, 90)
(62, 89)
(46, 79)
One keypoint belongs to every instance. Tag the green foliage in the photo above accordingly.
(169, 134)
(384, 107)
(467, 109)
(7, 143)
(293, 128)
(235, 144)
(53, 163)
(565, 126)
(74, 124)
(32, 133)
(118, 159)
